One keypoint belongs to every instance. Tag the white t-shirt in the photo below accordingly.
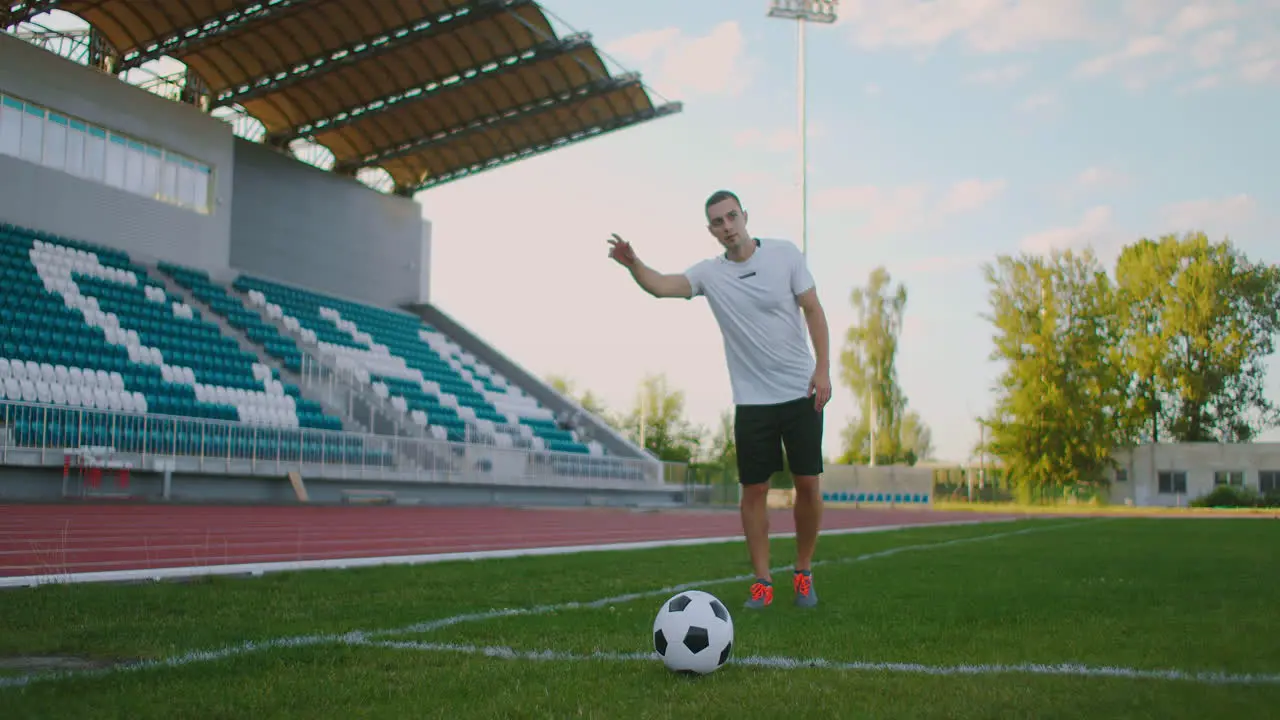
(766, 341)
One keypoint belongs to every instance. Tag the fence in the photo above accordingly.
(215, 446)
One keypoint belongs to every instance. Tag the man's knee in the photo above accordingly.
(755, 492)
(807, 485)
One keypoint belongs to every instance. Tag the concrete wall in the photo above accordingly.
(45, 485)
(883, 480)
(301, 225)
(1137, 483)
(56, 201)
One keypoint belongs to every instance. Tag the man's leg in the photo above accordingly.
(802, 435)
(759, 457)
(755, 526)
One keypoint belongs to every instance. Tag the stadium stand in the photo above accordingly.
(171, 313)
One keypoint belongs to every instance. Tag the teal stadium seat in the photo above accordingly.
(427, 376)
(82, 327)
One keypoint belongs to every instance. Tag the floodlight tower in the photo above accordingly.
(804, 12)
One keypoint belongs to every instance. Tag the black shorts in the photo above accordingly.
(761, 431)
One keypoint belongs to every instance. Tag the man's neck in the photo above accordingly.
(746, 251)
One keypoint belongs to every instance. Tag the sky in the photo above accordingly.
(942, 133)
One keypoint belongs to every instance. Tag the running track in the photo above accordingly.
(61, 539)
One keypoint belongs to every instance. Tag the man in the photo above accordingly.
(763, 297)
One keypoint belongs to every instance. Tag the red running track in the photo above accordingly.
(48, 540)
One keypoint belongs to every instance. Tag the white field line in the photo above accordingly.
(787, 663)
(364, 636)
(259, 568)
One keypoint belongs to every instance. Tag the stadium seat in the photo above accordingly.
(423, 372)
(84, 327)
(231, 309)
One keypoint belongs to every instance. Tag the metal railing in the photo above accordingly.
(216, 446)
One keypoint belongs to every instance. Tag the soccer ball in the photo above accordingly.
(693, 633)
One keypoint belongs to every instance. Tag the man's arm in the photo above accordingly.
(660, 285)
(816, 318)
(650, 280)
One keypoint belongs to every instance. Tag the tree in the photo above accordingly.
(1062, 395)
(1199, 321)
(657, 422)
(868, 367)
(917, 439)
(588, 400)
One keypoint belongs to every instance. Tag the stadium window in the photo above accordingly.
(169, 177)
(77, 134)
(32, 148)
(115, 160)
(95, 155)
(10, 126)
(151, 172)
(81, 149)
(1122, 475)
(202, 189)
(1268, 481)
(55, 142)
(135, 158)
(1228, 477)
(1171, 482)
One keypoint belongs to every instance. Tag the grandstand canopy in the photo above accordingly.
(429, 90)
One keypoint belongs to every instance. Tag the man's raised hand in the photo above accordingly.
(620, 250)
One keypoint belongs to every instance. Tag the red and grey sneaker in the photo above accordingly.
(761, 594)
(806, 596)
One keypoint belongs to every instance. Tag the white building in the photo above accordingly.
(1175, 474)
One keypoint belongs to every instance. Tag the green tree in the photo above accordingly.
(587, 400)
(657, 422)
(868, 367)
(1061, 396)
(917, 439)
(1200, 319)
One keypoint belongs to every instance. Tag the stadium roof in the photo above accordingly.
(429, 90)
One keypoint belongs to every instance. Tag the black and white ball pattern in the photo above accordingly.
(693, 633)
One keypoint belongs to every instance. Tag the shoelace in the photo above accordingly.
(803, 584)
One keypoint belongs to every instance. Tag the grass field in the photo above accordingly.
(1045, 618)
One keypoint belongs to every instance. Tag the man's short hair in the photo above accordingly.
(721, 196)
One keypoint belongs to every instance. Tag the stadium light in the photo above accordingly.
(804, 12)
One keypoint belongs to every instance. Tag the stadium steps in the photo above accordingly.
(358, 400)
(375, 411)
(186, 284)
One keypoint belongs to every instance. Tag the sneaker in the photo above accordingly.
(806, 596)
(761, 594)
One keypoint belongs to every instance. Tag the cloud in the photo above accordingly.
(1237, 40)
(679, 65)
(1002, 75)
(884, 211)
(778, 140)
(968, 195)
(1136, 49)
(1215, 216)
(1136, 41)
(987, 26)
(1093, 230)
(905, 208)
(1043, 100)
(1097, 176)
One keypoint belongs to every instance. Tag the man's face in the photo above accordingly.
(728, 223)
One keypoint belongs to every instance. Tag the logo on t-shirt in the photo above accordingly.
(750, 274)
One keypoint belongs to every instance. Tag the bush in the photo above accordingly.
(1228, 496)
